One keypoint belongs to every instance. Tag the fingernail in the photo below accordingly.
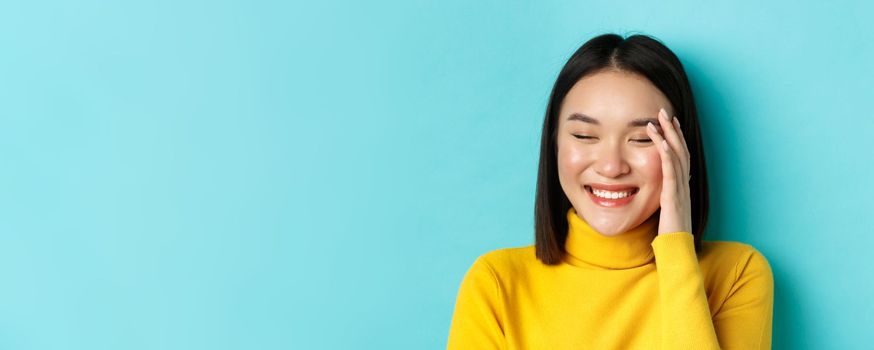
(650, 126)
(665, 144)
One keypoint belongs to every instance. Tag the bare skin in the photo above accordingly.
(613, 152)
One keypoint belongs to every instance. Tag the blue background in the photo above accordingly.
(273, 175)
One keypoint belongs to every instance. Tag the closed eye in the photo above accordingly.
(584, 137)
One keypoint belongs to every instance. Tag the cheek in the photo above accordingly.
(571, 160)
(651, 166)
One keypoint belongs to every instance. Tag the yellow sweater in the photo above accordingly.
(637, 290)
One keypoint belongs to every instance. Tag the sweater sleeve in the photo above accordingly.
(742, 322)
(476, 321)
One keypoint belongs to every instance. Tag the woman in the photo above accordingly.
(620, 210)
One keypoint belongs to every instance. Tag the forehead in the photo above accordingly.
(614, 98)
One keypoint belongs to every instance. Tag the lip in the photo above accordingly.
(607, 187)
(611, 203)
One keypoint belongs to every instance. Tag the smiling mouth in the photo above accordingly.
(611, 199)
(630, 193)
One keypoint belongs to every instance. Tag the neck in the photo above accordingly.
(585, 246)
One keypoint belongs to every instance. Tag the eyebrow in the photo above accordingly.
(640, 122)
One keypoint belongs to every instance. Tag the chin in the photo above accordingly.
(611, 221)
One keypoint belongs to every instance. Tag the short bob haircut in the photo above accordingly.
(645, 56)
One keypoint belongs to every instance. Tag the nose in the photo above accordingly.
(611, 162)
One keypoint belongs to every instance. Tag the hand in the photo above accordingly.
(676, 205)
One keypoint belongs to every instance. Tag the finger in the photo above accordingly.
(670, 132)
(686, 158)
(682, 137)
(669, 173)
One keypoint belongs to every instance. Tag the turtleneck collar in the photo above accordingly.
(586, 246)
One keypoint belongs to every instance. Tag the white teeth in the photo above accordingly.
(611, 194)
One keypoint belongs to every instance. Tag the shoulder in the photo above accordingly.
(506, 261)
(731, 251)
(734, 260)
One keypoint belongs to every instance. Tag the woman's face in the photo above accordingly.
(602, 140)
